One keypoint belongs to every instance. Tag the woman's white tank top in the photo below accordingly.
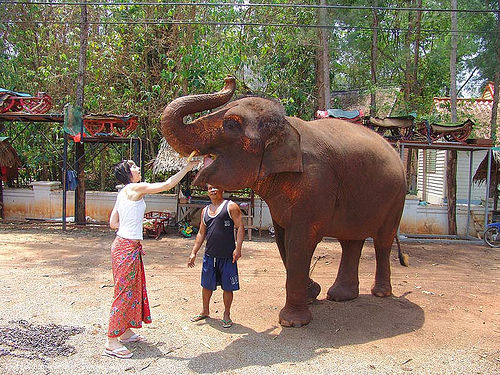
(130, 215)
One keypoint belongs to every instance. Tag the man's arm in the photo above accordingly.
(200, 237)
(235, 212)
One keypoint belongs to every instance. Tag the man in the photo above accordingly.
(218, 221)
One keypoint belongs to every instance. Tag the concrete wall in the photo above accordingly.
(433, 219)
(44, 201)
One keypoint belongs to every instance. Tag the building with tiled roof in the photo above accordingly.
(476, 109)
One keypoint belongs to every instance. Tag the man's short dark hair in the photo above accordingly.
(122, 172)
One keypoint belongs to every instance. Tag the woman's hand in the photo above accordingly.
(192, 163)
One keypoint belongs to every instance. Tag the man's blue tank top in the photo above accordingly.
(220, 233)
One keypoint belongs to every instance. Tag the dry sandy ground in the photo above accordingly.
(444, 316)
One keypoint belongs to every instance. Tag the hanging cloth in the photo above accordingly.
(71, 180)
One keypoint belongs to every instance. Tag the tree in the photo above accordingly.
(373, 62)
(323, 63)
(496, 86)
(451, 168)
(80, 217)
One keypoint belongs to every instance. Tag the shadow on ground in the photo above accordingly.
(334, 325)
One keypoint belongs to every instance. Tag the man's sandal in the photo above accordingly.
(198, 317)
(120, 352)
(226, 323)
(135, 338)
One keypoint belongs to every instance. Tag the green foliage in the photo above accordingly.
(140, 67)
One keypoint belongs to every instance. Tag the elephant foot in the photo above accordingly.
(382, 289)
(342, 292)
(295, 317)
(313, 290)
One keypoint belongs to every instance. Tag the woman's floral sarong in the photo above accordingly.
(130, 305)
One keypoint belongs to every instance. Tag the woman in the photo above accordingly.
(130, 305)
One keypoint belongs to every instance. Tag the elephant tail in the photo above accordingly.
(404, 259)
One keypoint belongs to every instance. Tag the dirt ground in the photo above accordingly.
(443, 317)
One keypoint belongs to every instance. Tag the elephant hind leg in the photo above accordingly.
(382, 285)
(346, 285)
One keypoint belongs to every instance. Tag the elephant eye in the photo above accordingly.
(231, 124)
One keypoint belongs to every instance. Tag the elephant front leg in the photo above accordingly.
(296, 313)
(346, 285)
(313, 288)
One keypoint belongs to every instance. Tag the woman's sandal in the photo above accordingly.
(226, 323)
(199, 317)
(118, 352)
(135, 338)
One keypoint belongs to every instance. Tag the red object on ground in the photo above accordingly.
(158, 220)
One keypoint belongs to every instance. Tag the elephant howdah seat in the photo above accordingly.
(393, 127)
(11, 101)
(458, 132)
(352, 116)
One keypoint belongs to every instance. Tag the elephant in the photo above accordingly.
(321, 178)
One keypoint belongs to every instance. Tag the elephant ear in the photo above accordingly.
(282, 151)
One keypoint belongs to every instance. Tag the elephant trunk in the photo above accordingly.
(183, 137)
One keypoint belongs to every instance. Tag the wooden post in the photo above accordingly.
(323, 62)
(79, 147)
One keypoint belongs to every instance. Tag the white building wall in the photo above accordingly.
(435, 189)
(478, 192)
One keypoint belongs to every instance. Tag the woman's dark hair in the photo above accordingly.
(122, 172)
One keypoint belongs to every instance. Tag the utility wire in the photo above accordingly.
(239, 24)
(247, 5)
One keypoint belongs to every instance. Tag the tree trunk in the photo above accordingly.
(408, 57)
(373, 64)
(323, 62)
(451, 185)
(188, 42)
(451, 169)
(415, 88)
(1, 195)
(79, 148)
(496, 93)
(412, 89)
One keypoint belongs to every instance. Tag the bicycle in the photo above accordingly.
(492, 235)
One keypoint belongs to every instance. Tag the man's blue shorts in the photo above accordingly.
(219, 271)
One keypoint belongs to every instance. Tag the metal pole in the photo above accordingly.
(64, 171)
(143, 155)
(488, 178)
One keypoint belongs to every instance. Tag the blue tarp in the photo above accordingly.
(5, 91)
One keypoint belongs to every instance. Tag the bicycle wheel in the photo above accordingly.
(492, 237)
